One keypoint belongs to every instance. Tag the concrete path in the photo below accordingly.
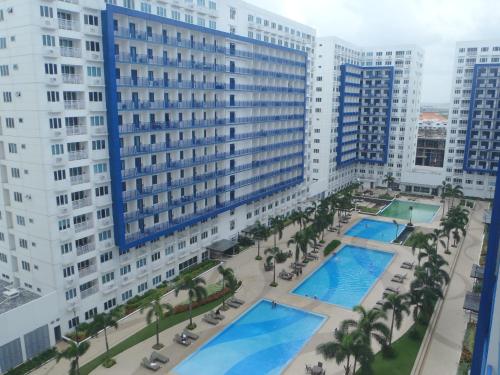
(443, 353)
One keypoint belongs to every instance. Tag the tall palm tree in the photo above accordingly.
(447, 226)
(369, 324)
(273, 254)
(389, 180)
(300, 240)
(419, 241)
(155, 308)
(103, 322)
(226, 273)
(398, 304)
(260, 233)
(277, 224)
(342, 348)
(455, 192)
(445, 193)
(73, 354)
(333, 205)
(195, 289)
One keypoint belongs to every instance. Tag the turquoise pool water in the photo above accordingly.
(375, 230)
(262, 341)
(345, 278)
(421, 213)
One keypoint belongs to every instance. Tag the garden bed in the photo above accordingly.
(331, 247)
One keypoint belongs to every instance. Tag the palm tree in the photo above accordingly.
(445, 193)
(196, 292)
(341, 349)
(300, 240)
(398, 304)
(455, 192)
(273, 254)
(158, 310)
(226, 274)
(419, 241)
(73, 353)
(103, 322)
(389, 180)
(333, 204)
(369, 324)
(260, 233)
(277, 224)
(447, 227)
(299, 217)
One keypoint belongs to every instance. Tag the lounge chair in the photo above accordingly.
(401, 276)
(380, 302)
(218, 316)
(285, 275)
(407, 265)
(397, 280)
(191, 335)
(153, 366)
(210, 320)
(178, 339)
(390, 290)
(237, 300)
(312, 256)
(232, 304)
(158, 357)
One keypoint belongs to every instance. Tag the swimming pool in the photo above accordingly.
(421, 213)
(346, 277)
(262, 341)
(369, 229)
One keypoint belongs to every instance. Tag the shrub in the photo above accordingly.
(330, 247)
(281, 257)
(33, 363)
(109, 362)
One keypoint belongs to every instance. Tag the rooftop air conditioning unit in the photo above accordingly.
(11, 293)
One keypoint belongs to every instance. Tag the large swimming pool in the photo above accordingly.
(262, 341)
(346, 277)
(377, 230)
(420, 212)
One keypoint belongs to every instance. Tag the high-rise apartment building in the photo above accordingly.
(134, 135)
(473, 138)
(366, 103)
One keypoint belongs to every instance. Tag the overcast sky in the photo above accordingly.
(435, 25)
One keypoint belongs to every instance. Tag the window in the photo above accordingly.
(9, 122)
(52, 96)
(94, 71)
(107, 256)
(59, 175)
(156, 280)
(100, 168)
(62, 199)
(142, 287)
(66, 248)
(89, 314)
(18, 197)
(110, 304)
(125, 269)
(161, 11)
(106, 235)
(102, 213)
(232, 13)
(20, 220)
(50, 68)
(4, 70)
(3, 258)
(95, 96)
(64, 224)
(92, 46)
(145, 7)
(108, 277)
(100, 144)
(25, 265)
(12, 148)
(176, 15)
(212, 24)
(57, 149)
(68, 271)
(126, 295)
(7, 96)
(55, 123)
(102, 190)
(3, 43)
(96, 120)
(46, 11)
(23, 243)
(155, 256)
(141, 263)
(48, 40)
(188, 18)
(89, 19)
(70, 294)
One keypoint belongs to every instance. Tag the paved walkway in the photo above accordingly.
(255, 286)
(445, 347)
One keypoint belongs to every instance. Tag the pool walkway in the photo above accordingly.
(255, 286)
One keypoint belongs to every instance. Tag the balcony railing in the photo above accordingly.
(80, 179)
(80, 227)
(74, 104)
(78, 155)
(76, 130)
(71, 52)
(87, 271)
(68, 25)
(80, 203)
(81, 250)
(72, 78)
(90, 291)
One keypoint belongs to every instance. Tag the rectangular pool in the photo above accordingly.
(262, 341)
(369, 229)
(420, 212)
(346, 277)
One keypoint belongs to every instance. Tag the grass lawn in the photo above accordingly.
(145, 334)
(369, 210)
(406, 349)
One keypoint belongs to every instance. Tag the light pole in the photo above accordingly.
(411, 212)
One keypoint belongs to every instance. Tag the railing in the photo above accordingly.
(81, 250)
(68, 25)
(80, 179)
(161, 104)
(80, 227)
(71, 52)
(72, 78)
(78, 155)
(90, 291)
(76, 130)
(81, 203)
(74, 104)
(87, 271)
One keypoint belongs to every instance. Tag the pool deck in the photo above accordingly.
(256, 286)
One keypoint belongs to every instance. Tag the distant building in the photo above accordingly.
(431, 140)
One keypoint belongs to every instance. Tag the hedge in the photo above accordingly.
(330, 247)
(33, 363)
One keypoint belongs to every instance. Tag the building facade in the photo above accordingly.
(137, 133)
(473, 139)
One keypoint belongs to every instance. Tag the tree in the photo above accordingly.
(300, 240)
(260, 233)
(103, 322)
(73, 353)
(273, 254)
(445, 193)
(277, 224)
(419, 241)
(226, 274)
(341, 349)
(389, 180)
(447, 227)
(155, 308)
(455, 192)
(398, 304)
(369, 324)
(196, 292)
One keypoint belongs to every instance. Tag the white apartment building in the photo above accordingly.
(472, 147)
(208, 101)
(402, 101)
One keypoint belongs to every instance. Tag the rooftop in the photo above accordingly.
(9, 303)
